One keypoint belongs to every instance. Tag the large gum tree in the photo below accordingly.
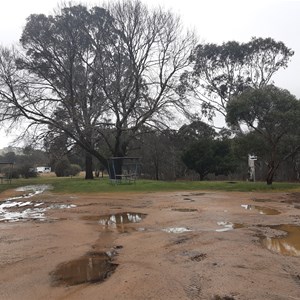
(221, 72)
(271, 116)
(96, 75)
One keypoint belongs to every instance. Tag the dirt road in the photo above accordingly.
(179, 245)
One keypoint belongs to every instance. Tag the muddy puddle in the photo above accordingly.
(95, 267)
(14, 210)
(30, 191)
(119, 221)
(176, 229)
(263, 210)
(286, 244)
(36, 188)
(91, 268)
(227, 226)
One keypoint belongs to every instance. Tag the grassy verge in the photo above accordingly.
(79, 185)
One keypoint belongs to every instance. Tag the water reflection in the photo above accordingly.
(91, 268)
(289, 244)
(14, 209)
(176, 229)
(35, 190)
(227, 226)
(121, 218)
(262, 209)
(117, 221)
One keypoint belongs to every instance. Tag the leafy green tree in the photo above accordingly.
(223, 71)
(189, 133)
(209, 156)
(204, 150)
(272, 115)
(10, 157)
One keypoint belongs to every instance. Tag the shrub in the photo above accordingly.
(74, 170)
(11, 173)
(23, 170)
(64, 168)
(61, 167)
(26, 171)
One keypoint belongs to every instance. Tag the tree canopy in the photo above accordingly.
(207, 156)
(223, 71)
(188, 133)
(273, 115)
(84, 71)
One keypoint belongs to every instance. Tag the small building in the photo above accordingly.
(43, 169)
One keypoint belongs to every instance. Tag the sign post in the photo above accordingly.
(251, 167)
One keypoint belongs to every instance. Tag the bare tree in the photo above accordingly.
(84, 71)
(151, 53)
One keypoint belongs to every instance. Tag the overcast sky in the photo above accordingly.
(215, 21)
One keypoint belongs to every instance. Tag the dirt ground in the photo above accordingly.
(179, 245)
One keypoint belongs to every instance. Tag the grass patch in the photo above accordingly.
(79, 185)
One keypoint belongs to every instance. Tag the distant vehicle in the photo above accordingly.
(43, 169)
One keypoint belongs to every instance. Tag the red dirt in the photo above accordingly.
(152, 263)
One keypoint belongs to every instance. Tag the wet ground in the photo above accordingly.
(149, 246)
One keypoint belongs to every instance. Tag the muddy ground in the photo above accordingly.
(179, 245)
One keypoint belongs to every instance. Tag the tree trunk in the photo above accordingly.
(270, 175)
(156, 169)
(272, 167)
(88, 166)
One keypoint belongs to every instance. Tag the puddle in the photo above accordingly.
(117, 221)
(91, 268)
(262, 209)
(20, 215)
(35, 190)
(177, 229)
(227, 226)
(12, 210)
(288, 244)
(185, 209)
(121, 218)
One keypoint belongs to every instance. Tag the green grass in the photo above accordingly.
(79, 185)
